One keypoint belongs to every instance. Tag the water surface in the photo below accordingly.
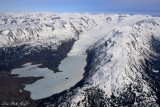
(52, 83)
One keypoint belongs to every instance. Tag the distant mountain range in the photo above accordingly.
(123, 55)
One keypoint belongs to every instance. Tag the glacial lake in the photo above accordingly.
(72, 68)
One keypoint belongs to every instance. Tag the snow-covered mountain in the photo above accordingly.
(24, 35)
(123, 54)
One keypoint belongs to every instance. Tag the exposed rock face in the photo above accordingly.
(123, 62)
(15, 57)
(122, 70)
(12, 57)
(31, 39)
(129, 61)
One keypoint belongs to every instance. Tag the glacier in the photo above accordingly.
(123, 54)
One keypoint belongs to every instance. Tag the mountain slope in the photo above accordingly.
(123, 54)
(121, 68)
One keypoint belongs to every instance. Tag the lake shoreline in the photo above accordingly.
(11, 94)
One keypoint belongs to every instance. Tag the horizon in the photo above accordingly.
(67, 12)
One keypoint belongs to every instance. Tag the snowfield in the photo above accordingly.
(123, 54)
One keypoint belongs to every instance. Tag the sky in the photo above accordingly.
(106, 6)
